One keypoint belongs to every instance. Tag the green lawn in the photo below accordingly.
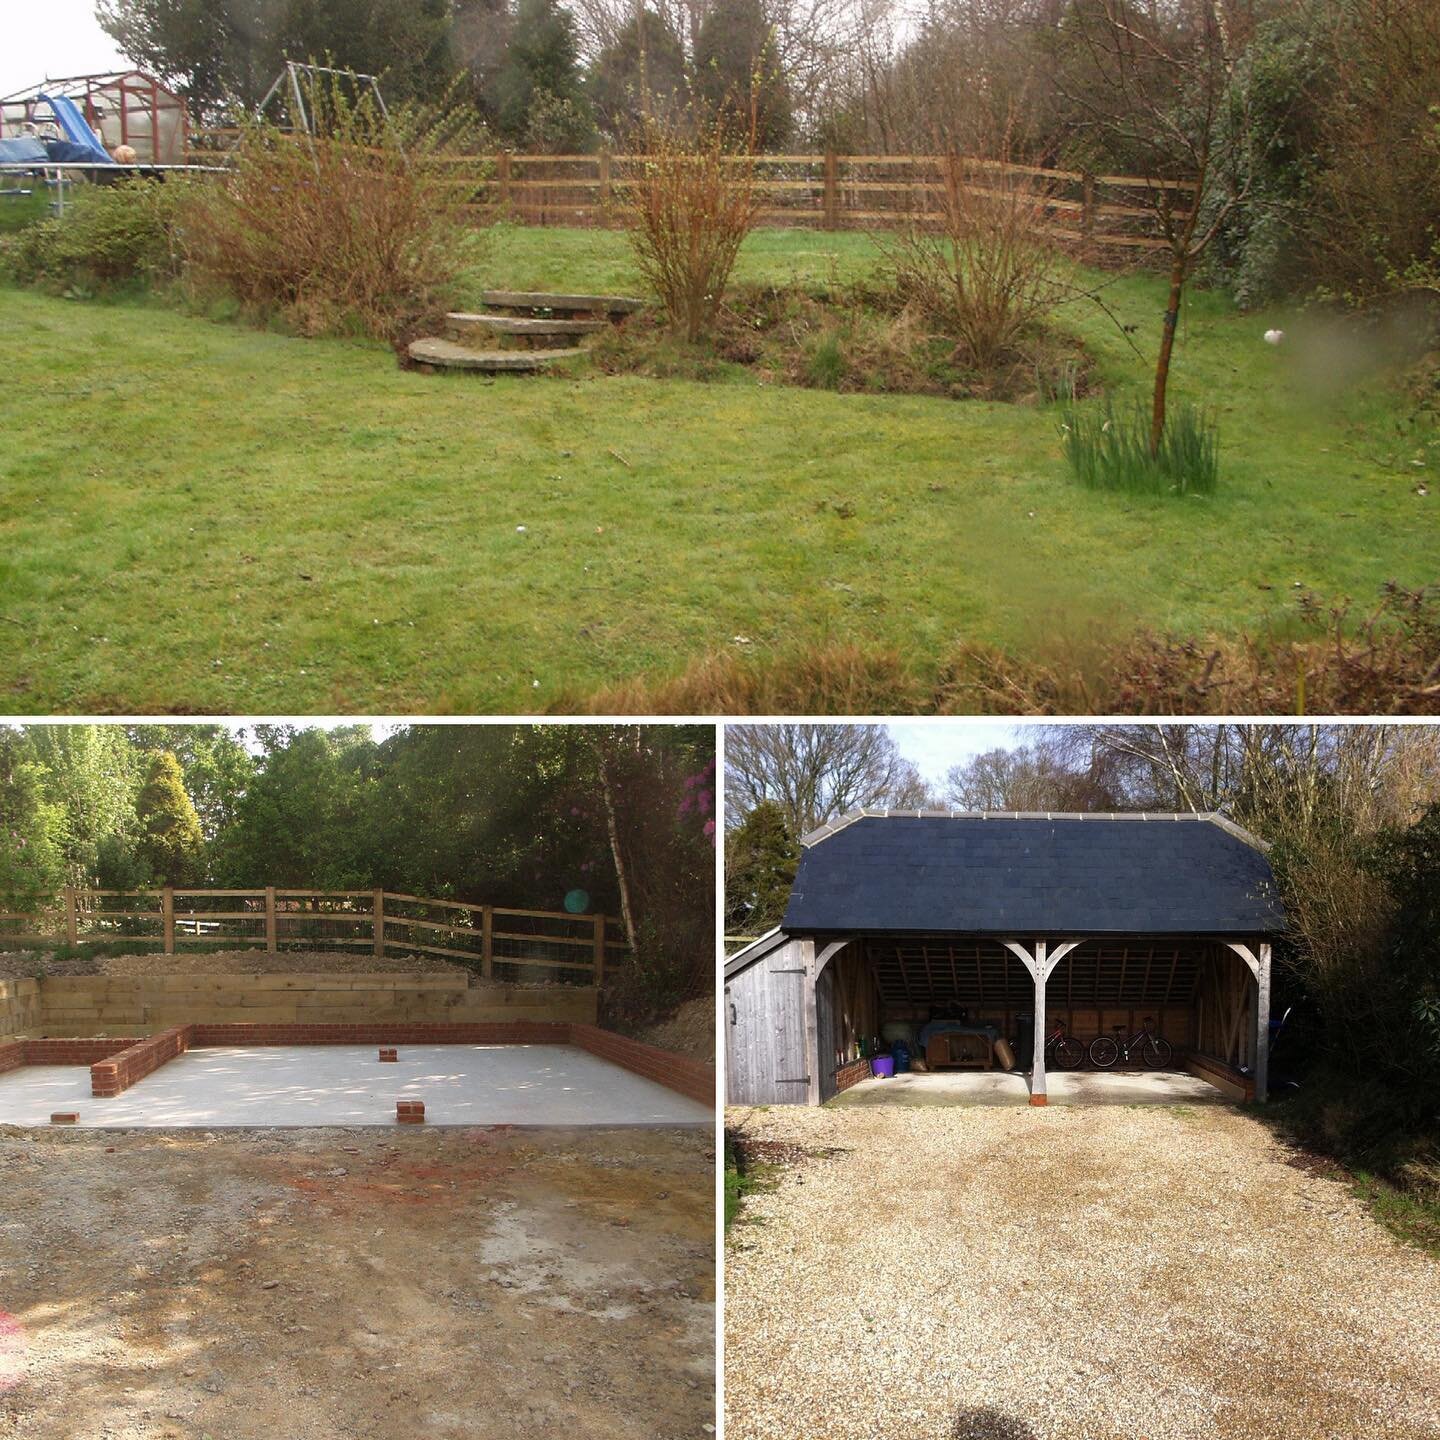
(202, 517)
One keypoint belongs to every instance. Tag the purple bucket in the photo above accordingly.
(882, 1067)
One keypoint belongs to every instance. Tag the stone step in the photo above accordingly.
(611, 305)
(512, 331)
(446, 354)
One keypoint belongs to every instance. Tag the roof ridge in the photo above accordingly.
(870, 812)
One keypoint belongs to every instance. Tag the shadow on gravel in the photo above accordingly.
(989, 1424)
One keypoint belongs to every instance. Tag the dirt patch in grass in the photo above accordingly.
(328, 1283)
(856, 339)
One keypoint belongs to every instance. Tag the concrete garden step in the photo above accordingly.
(611, 305)
(512, 331)
(446, 354)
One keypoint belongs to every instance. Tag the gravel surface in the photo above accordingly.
(1067, 1274)
(481, 1284)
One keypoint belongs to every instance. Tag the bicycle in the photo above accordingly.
(1066, 1051)
(1155, 1052)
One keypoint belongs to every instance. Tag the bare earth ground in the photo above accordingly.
(357, 1283)
(690, 1030)
(997, 1274)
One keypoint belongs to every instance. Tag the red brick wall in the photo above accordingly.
(388, 1032)
(676, 1072)
(116, 1064)
(851, 1073)
(117, 1074)
(73, 1052)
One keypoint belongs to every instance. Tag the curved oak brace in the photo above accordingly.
(1259, 966)
(1040, 962)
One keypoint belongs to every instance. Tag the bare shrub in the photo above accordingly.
(981, 267)
(1386, 662)
(354, 228)
(831, 679)
(689, 204)
(1376, 224)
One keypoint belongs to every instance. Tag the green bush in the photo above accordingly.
(110, 235)
(1110, 451)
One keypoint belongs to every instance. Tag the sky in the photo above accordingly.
(57, 38)
(933, 746)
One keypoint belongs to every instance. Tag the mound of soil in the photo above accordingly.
(690, 1030)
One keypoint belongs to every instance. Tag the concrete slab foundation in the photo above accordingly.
(1066, 1087)
(343, 1085)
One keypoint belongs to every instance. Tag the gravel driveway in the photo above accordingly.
(1067, 1274)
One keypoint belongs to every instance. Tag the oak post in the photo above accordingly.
(599, 950)
(72, 928)
(271, 927)
(379, 913)
(832, 191)
(167, 917)
(487, 942)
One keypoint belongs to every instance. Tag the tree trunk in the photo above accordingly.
(1167, 344)
(622, 884)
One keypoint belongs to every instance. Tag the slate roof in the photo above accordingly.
(935, 873)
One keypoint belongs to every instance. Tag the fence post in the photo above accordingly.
(271, 936)
(72, 928)
(487, 943)
(502, 165)
(599, 950)
(831, 219)
(1087, 216)
(380, 923)
(167, 917)
(604, 177)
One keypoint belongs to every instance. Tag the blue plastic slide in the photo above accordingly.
(87, 146)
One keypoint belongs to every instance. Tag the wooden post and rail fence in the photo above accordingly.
(495, 941)
(827, 191)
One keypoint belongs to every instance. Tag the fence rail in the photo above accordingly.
(498, 943)
(825, 191)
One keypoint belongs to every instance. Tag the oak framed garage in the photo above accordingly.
(1010, 921)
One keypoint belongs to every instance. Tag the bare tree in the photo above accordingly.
(1150, 87)
(816, 772)
(1032, 777)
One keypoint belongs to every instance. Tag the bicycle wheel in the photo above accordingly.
(1104, 1052)
(1156, 1053)
(1069, 1053)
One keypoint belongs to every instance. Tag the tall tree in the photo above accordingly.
(224, 54)
(31, 865)
(217, 53)
(761, 857)
(90, 774)
(540, 94)
(1032, 777)
(739, 74)
(168, 835)
(816, 772)
(640, 73)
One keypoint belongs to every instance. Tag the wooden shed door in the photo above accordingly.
(792, 1078)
